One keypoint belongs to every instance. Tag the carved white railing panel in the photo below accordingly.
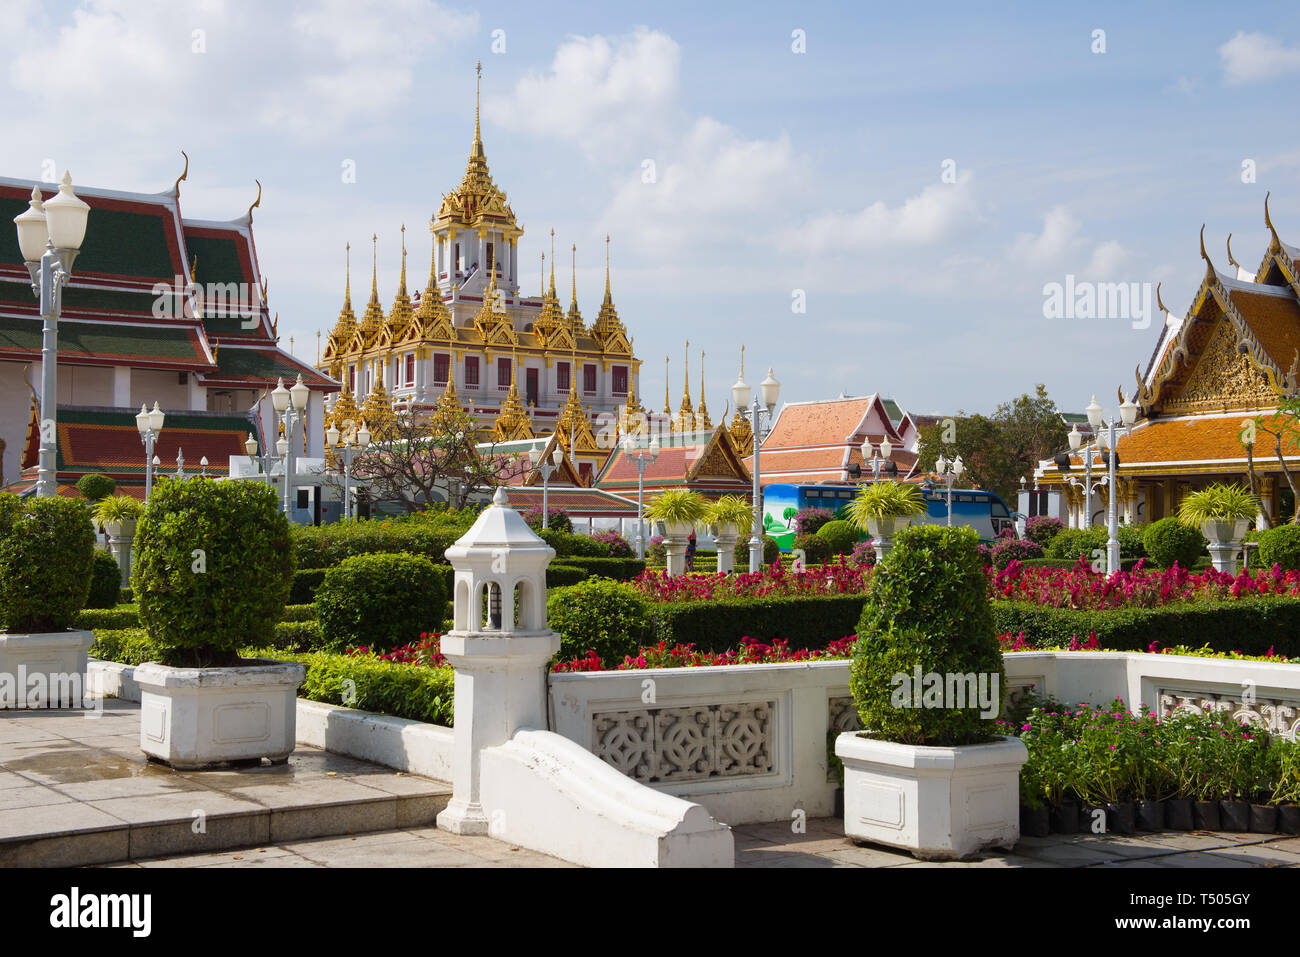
(844, 714)
(693, 743)
(1279, 717)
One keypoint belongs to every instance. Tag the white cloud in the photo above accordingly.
(938, 213)
(598, 90)
(1251, 57)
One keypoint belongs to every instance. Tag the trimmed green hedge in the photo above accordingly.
(298, 636)
(621, 569)
(128, 646)
(322, 546)
(1248, 625)
(304, 612)
(380, 600)
(305, 583)
(421, 694)
(127, 616)
(557, 576)
(719, 625)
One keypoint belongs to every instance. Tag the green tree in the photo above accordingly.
(998, 450)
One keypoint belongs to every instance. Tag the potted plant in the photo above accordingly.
(1286, 792)
(47, 552)
(1223, 513)
(677, 510)
(928, 773)
(730, 517)
(212, 573)
(119, 514)
(884, 508)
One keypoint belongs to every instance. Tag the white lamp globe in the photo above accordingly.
(300, 393)
(282, 447)
(886, 447)
(654, 448)
(363, 436)
(1128, 412)
(941, 464)
(740, 393)
(557, 457)
(958, 466)
(280, 397)
(65, 217)
(156, 418)
(1094, 411)
(332, 435)
(1076, 439)
(142, 420)
(32, 229)
(251, 445)
(867, 451)
(771, 390)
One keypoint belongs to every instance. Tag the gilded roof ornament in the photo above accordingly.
(185, 174)
(402, 313)
(576, 326)
(1230, 258)
(372, 320)
(702, 414)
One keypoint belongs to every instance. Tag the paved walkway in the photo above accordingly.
(824, 845)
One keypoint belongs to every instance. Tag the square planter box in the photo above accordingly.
(938, 803)
(44, 670)
(194, 718)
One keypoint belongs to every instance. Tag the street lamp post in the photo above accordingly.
(876, 462)
(951, 472)
(263, 461)
(1096, 418)
(641, 458)
(292, 405)
(348, 448)
(150, 425)
(741, 394)
(547, 467)
(49, 238)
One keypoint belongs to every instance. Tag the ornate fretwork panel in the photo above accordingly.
(1222, 378)
(1280, 717)
(668, 745)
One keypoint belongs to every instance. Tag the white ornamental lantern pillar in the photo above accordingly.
(500, 647)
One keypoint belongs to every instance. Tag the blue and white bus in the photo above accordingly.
(983, 511)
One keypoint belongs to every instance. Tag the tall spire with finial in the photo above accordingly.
(685, 413)
(344, 327)
(372, 320)
(576, 325)
(478, 87)
(402, 313)
(702, 414)
(668, 403)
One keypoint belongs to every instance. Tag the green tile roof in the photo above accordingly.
(106, 340)
(218, 258)
(118, 242)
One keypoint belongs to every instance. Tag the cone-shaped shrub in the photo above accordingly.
(213, 568)
(927, 606)
(47, 551)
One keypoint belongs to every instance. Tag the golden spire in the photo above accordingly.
(378, 408)
(433, 315)
(742, 433)
(702, 414)
(372, 320)
(449, 410)
(551, 319)
(512, 419)
(553, 296)
(608, 328)
(347, 320)
(576, 325)
(685, 414)
(668, 407)
(478, 135)
(401, 315)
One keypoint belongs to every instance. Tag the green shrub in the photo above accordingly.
(599, 615)
(1070, 543)
(96, 486)
(806, 622)
(621, 569)
(1249, 625)
(110, 618)
(127, 646)
(126, 597)
(297, 636)
(558, 576)
(840, 535)
(304, 612)
(927, 607)
(212, 568)
(384, 687)
(1132, 542)
(1279, 546)
(305, 582)
(771, 552)
(47, 551)
(323, 546)
(816, 550)
(1169, 540)
(557, 519)
(105, 581)
(380, 601)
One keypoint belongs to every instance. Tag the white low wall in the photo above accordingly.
(748, 742)
(544, 792)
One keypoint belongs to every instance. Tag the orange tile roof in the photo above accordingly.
(818, 423)
(1275, 321)
(1191, 440)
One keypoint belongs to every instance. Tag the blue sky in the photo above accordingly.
(775, 171)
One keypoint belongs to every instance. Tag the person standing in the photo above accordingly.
(690, 552)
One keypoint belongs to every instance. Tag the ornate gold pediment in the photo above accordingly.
(1222, 378)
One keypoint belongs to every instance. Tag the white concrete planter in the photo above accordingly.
(1225, 540)
(43, 670)
(938, 803)
(120, 536)
(726, 536)
(882, 531)
(675, 536)
(209, 717)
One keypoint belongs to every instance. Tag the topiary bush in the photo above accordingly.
(105, 581)
(771, 552)
(808, 521)
(1041, 529)
(96, 486)
(927, 606)
(380, 601)
(1169, 540)
(1006, 550)
(1070, 543)
(557, 519)
(1279, 546)
(47, 551)
(816, 550)
(840, 535)
(600, 615)
(615, 544)
(213, 565)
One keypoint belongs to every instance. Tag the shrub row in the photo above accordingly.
(384, 687)
(380, 600)
(133, 646)
(323, 546)
(1248, 625)
(621, 569)
(719, 625)
(128, 616)
(557, 576)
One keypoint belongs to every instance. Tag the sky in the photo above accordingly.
(868, 196)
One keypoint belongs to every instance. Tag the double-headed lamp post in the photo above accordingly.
(150, 425)
(548, 466)
(49, 237)
(741, 394)
(292, 405)
(1096, 418)
(951, 471)
(348, 447)
(877, 461)
(641, 458)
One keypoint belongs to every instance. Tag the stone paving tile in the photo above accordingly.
(32, 795)
(1260, 855)
(1202, 859)
(271, 853)
(54, 819)
(171, 808)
